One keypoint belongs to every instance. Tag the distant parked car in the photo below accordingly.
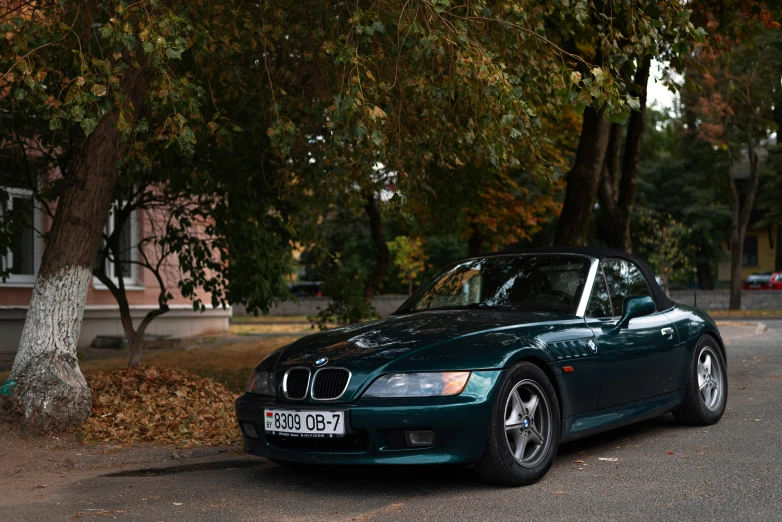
(763, 281)
(306, 289)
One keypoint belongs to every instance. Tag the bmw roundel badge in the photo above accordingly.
(321, 361)
(590, 343)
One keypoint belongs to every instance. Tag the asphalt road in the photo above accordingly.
(663, 471)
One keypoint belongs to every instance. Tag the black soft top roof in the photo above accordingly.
(661, 300)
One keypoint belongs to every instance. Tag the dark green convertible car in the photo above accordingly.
(491, 364)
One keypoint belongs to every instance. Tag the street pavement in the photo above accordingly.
(662, 471)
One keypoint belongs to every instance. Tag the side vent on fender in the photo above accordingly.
(570, 349)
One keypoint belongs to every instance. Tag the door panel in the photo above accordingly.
(637, 362)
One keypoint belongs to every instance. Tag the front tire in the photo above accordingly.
(706, 393)
(524, 435)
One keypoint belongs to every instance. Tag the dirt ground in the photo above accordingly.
(31, 465)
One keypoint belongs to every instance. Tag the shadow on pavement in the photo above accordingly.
(221, 465)
(394, 479)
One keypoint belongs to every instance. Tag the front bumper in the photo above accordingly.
(461, 425)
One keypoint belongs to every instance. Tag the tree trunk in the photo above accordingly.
(608, 191)
(778, 250)
(475, 242)
(383, 255)
(583, 180)
(51, 392)
(736, 254)
(617, 192)
(138, 342)
(703, 271)
(134, 336)
(742, 210)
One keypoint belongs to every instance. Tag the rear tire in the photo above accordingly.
(706, 393)
(525, 428)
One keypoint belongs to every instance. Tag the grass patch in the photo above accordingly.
(267, 328)
(249, 319)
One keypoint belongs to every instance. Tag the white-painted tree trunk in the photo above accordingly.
(51, 391)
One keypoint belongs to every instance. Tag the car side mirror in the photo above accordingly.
(635, 306)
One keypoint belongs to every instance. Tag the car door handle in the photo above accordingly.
(667, 331)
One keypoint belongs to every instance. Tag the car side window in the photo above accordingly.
(600, 301)
(623, 279)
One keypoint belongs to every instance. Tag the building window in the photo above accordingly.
(23, 258)
(121, 263)
(750, 251)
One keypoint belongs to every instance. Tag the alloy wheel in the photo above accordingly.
(711, 380)
(528, 423)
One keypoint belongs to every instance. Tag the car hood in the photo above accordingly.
(377, 343)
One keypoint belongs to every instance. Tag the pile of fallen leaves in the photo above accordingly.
(160, 405)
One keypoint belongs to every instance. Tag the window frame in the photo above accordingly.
(23, 280)
(755, 250)
(600, 275)
(131, 282)
(610, 290)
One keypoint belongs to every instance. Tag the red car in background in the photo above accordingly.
(763, 281)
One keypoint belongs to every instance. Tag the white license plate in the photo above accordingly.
(298, 423)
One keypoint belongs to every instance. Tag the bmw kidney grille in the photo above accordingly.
(296, 383)
(330, 383)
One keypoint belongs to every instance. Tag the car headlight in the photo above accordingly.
(430, 384)
(262, 383)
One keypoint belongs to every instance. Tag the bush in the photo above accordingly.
(347, 302)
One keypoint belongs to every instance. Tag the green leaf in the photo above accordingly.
(148, 47)
(619, 117)
(99, 90)
(683, 15)
(88, 125)
(129, 41)
(656, 23)
(173, 53)
(378, 26)
(579, 106)
(20, 94)
(377, 138)
(634, 103)
(360, 132)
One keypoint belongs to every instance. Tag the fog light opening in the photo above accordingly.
(249, 430)
(419, 439)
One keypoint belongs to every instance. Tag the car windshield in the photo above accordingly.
(544, 283)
